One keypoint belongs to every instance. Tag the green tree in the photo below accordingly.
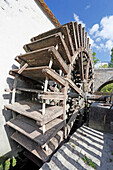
(108, 88)
(103, 66)
(96, 60)
(111, 62)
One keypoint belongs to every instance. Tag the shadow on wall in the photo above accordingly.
(7, 114)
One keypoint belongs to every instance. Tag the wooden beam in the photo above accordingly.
(80, 34)
(34, 132)
(68, 40)
(77, 34)
(54, 76)
(88, 44)
(90, 83)
(71, 27)
(52, 40)
(81, 67)
(51, 97)
(83, 36)
(74, 86)
(86, 40)
(53, 52)
(87, 70)
(22, 68)
(62, 42)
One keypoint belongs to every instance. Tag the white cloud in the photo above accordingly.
(103, 34)
(76, 17)
(87, 7)
(109, 44)
(98, 39)
(94, 29)
(106, 25)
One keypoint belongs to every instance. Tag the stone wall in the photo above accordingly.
(102, 76)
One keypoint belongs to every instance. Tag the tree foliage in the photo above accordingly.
(108, 88)
(111, 62)
(103, 66)
(95, 59)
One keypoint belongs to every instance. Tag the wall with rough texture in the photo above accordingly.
(20, 20)
(102, 76)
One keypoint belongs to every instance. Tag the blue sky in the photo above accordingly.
(97, 15)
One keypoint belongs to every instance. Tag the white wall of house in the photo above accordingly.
(20, 20)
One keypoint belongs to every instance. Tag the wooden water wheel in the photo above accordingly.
(58, 68)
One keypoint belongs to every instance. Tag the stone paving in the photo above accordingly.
(84, 143)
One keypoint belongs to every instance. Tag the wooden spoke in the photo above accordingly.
(86, 40)
(83, 36)
(77, 34)
(87, 44)
(81, 66)
(87, 70)
(68, 40)
(80, 34)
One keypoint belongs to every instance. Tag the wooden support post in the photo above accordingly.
(13, 94)
(44, 101)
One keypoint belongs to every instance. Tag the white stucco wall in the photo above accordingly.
(20, 20)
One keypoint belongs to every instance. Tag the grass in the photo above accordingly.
(72, 144)
(14, 162)
(7, 164)
(89, 162)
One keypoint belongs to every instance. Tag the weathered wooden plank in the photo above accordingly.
(74, 86)
(47, 33)
(51, 97)
(52, 40)
(71, 120)
(29, 90)
(86, 40)
(88, 44)
(39, 73)
(87, 70)
(35, 149)
(35, 133)
(64, 30)
(39, 57)
(63, 48)
(54, 76)
(80, 34)
(90, 83)
(77, 34)
(53, 93)
(68, 40)
(33, 110)
(83, 36)
(42, 57)
(59, 59)
(73, 35)
(81, 67)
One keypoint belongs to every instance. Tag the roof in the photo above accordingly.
(48, 12)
